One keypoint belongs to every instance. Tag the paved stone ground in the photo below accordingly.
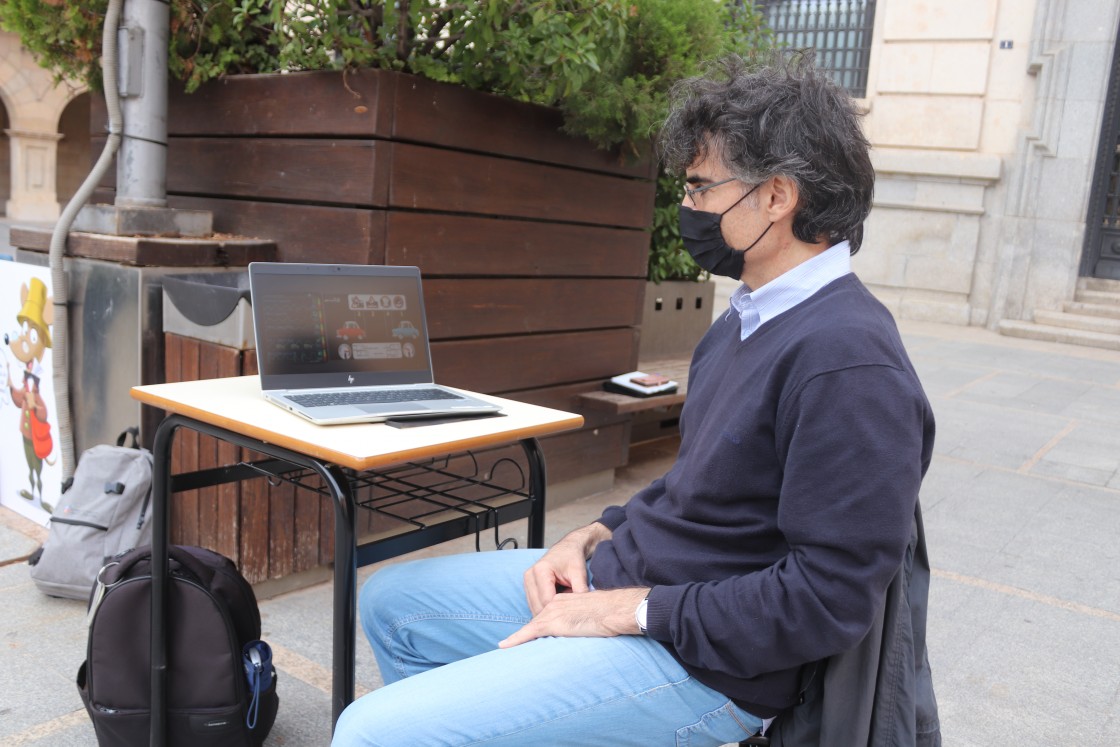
(1022, 508)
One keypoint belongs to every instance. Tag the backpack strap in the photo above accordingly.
(184, 557)
(135, 432)
(121, 565)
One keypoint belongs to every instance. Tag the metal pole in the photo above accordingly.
(161, 530)
(537, 482)
(345, 591)
(142, 161)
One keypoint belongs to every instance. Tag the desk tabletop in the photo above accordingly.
(237, 405)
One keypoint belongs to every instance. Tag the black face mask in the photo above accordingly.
(703, 238)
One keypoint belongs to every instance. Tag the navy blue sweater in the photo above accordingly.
(771, 541)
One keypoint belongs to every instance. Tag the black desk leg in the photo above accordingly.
(161, 529)
(345, 591)
(537, 480)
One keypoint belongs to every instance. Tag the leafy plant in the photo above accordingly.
(607, 64)
(65, 37)
(667, 40)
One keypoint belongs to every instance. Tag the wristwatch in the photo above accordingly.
(641, 614)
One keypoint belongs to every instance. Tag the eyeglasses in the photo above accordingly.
(693, 192)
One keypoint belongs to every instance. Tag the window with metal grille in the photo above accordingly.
(838, 30)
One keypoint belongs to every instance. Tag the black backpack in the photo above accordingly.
(221, 687)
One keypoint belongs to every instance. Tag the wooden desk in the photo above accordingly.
(336, 457)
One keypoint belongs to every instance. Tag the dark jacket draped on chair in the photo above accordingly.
(880, 693)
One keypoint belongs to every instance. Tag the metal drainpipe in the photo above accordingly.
(142, 162)
(59, 287)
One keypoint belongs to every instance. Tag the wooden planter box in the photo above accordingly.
(533, 245)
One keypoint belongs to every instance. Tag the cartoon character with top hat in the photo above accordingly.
(28, 346)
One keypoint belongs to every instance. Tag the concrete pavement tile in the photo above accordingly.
(1110, 726)
(981, 513)
(1038, 535)
(999, 387)
(1067, 550)
(1049, 467)
(304, 716)
(1099, 403)
(1091, 450)
(917, 342)
(42, 644)
(74, 728)
(14, 544)
(32, 696)
(1091, 514)
(939, 377)
(26, 607)
(1026, 392)
(14, 574)
(41, 647)
(991, 435)
(1017, 669)
(946, 478)
(998, 355)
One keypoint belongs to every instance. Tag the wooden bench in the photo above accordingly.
(622, 404)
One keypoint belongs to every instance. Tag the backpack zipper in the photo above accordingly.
(143, 510)
(78, 523)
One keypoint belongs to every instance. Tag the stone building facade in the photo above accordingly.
(44, 136)
(986, 119)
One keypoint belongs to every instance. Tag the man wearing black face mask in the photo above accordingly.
(702, 231)
(689, 613)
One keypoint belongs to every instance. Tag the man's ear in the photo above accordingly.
(783, 197)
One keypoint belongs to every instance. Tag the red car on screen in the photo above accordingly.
(350, 331)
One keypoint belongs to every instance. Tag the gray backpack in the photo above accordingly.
(102, 512)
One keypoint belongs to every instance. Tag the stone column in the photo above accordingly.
(34, 158)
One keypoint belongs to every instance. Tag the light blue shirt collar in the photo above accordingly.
(781, 294)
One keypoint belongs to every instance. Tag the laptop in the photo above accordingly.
(348, 344)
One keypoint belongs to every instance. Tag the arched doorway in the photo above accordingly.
(73, 162)
(5, 160)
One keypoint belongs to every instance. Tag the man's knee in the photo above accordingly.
(386, 588)
(353, 728)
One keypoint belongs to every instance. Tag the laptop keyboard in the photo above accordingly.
(368, 397)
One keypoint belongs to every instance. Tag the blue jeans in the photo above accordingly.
(434, 626)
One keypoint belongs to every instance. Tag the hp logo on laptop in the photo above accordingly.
(350, 378)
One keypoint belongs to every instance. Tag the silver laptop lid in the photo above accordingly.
(324, 326)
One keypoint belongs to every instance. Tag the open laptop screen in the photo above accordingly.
(339, 325)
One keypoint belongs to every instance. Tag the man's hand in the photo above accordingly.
(593, 614)
(563, 566)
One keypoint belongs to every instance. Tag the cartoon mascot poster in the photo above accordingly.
(30, 468)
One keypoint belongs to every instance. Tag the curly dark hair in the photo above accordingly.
(773, 115)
